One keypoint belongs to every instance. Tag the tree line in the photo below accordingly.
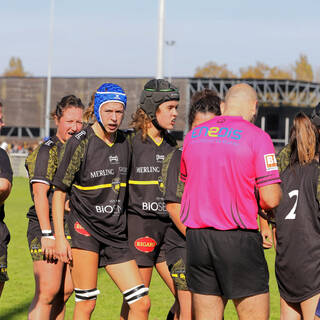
(300, 70)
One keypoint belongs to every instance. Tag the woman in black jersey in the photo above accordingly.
(93, 169)
(204, 106)
(5, 189)
(148, 219)
(298, 225)
(53, 284)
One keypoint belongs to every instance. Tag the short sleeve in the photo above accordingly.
(42, 163)
(265, 162)
(173, 185)
(69, 163)
(5, 166)
(183, 167)
(283, 158)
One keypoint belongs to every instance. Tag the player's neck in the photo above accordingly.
(103, 135)
(154, 133)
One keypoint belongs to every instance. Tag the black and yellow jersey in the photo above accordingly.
(5, 173)
(41, 165)
(95, 175)
(145, 183)
(173, 190)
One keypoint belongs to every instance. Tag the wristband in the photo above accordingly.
(47, 233)
(49, 237)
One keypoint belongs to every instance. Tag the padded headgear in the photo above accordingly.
(108, 92)
(156, 92)
(315, 116)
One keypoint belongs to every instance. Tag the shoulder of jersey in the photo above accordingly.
(4, 154)
(170, 139)
(48, 143)
(177, 153)
(80, 135)
(130, 134)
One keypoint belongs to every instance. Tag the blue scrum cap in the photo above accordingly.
(108, 92)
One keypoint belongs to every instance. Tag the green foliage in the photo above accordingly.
(18, 291)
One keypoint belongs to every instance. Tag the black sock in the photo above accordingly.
(170, 315)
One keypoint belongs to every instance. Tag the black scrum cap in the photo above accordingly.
(156, 92)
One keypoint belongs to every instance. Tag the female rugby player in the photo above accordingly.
(298, 226)
(204, 106)
(53, 284)
(94, 170)
(5, 189)
(148, 219)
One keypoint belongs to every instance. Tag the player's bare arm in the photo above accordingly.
(5, 188)
(270, 196)
(174, 211)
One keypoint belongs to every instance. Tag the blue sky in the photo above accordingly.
(119, 38)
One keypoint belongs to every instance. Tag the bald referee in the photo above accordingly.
(223, 162)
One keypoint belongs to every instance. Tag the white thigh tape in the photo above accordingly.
(83, 295)
(134, 294)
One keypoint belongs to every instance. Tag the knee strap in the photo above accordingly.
(86, 294)
(136, 293)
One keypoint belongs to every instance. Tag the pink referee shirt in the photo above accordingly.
(223, 160)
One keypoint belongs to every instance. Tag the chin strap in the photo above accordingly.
(157, 125)
(102, 127)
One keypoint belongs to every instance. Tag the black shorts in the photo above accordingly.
(34, 236)
(226, 263)
(4, 241)
(146, 237)
(175, 246)
(82, 239)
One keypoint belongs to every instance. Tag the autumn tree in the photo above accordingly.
(303, 69)
(259, 71)
(214, 70)
(15, 68)
(278, 73)
(263, 71)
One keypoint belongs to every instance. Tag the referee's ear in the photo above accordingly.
(222, 107)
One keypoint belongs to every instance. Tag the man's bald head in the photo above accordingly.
(241, 100)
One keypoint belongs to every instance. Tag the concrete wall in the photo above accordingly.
(24, 99)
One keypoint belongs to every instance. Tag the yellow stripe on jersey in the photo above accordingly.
(143, 182)
(157, 143)
(100, 186)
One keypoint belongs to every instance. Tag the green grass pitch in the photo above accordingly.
(18, 291)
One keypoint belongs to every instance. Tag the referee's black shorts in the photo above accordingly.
(228, 263)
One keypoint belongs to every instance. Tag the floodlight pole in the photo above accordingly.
(170, 44)
(160, 40)
(48, 98)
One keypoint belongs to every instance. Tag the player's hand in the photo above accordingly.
(67, 206)
(266, 234)
(63, 250)
(48, 248)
